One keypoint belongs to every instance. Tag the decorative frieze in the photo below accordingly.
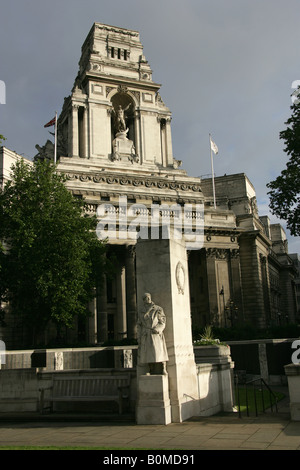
(134, 181)
(222, 253)
(217, 253)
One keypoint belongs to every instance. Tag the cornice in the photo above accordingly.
(134, 181)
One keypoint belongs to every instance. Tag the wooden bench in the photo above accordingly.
(89, 388)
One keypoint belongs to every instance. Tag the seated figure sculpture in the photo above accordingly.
(152, 350)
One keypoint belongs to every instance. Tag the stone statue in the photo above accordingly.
(46, 152)
(120, 119)
(152, 346)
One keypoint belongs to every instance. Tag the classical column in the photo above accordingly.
(92, 321)
(131, 306)
(85, 132)
(213, 294)
(82, 129)
(70, 141)
(163, 143)
(265, 288)
(121, 329)
(169, 150)
(236, 283)
(137, 134)
(102, 327)
(75, 149)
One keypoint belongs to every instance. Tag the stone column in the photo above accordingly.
(75, 149)
(137, 134)
(265, 288)
(121, 329)
(92, 321)
(70, 137)
(216, 301)
(102, 327)
(130, 291)
(85, 133)
(236, 283)
(169, 149)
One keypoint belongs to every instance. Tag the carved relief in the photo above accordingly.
(155, 183)
(234, 254)
(217, 253)
(180, 277)
(109, 89)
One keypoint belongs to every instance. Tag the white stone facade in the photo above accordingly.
(8, 158)
(115, 145)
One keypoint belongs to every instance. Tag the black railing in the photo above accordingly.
(251, 385)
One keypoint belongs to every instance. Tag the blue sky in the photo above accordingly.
(226, 68)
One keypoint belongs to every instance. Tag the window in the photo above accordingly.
(118, 53)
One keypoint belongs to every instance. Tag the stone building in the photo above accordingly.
(296, 260)
(115, 148)
(8, 158)
(267, 271)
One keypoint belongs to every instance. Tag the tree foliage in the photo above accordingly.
(285, 189)
(53, 259)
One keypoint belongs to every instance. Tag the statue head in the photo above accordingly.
(147, 298)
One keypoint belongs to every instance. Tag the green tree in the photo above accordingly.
(2, 138)
(285, 189)
(53, 258)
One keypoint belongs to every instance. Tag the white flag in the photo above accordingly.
(213, 146)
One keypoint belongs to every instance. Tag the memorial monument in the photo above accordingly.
(169, 393)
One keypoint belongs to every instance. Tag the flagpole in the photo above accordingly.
(212, 172)
(55, 140)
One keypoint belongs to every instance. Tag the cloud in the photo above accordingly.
(226, 68)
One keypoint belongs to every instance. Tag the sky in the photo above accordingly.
(226, 68)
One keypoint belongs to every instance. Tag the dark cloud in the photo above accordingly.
(226, 68)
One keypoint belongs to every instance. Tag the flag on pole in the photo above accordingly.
(51, 123)
(213, 146)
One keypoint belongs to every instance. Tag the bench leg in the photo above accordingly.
(41, 401)
(120, 402)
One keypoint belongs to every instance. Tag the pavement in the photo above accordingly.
(268, 431)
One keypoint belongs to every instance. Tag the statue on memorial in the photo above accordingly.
(152, 346)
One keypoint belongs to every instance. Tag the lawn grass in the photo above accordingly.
(263, 399)
(68, 448)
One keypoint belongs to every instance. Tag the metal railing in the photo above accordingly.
(257, 391)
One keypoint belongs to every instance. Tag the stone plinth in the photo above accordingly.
(215, 379)
(123, 145)
(153, 405)
(293, 375)
(212, 354)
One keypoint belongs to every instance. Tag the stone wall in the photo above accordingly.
(72, 358)
(19, 388)
(293, 374)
